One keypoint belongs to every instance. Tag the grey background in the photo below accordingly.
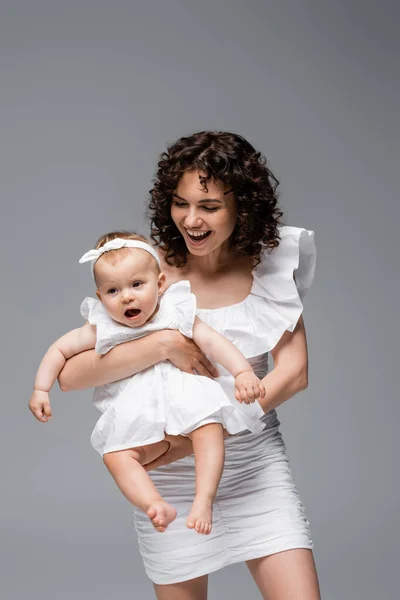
(90, 94)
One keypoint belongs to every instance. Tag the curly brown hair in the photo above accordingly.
(225, 157)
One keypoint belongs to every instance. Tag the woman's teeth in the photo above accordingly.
(197, 236)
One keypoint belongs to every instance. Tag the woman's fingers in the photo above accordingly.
(188, 357)
(202, 366)
(208, 366)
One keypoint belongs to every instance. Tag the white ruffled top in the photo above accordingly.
(274, 304)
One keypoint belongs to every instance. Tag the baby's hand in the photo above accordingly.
(39, 405)
(248, 387)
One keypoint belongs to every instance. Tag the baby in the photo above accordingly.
(138, 411)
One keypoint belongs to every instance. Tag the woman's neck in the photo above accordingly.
(212, 263)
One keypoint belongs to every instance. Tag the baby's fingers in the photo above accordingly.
(41, 412)
(37, 413)
(47, 410)
(252, 393)
(243, 394)
(238, 396)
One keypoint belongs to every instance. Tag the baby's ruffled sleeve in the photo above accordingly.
(183, 302)
(106, 331)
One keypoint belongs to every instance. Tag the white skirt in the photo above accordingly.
(257, 511)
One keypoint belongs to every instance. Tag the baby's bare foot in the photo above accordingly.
(200, 518)
(161, 514)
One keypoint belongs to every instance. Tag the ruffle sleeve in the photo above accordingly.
(274, 305)
(282, 280)
(183, 303)
(108, 332)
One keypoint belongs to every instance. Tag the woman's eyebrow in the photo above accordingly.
(200, 201)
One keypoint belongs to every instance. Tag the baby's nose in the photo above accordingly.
(127, 295)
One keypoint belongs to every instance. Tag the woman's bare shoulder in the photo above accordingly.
(173, 274)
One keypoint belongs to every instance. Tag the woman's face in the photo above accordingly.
(206, 220)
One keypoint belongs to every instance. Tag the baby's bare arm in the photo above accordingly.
(247, 384)
(53, 361)
(219, 349)
(73, 342)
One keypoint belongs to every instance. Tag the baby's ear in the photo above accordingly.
(161, 283)
(98, 295)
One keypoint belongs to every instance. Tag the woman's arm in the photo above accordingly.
(290, 373)
(90, 369)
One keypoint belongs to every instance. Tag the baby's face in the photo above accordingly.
(129, 286)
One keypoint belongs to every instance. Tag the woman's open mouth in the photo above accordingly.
(132, 313)
(197, 237)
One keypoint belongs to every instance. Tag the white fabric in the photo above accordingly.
(139, 410)
(274, 304)
(257, 510)
(116, 244)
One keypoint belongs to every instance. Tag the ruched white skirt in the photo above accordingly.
(257, 511)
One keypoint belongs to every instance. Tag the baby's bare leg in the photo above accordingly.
(126, 468)
(209, 454)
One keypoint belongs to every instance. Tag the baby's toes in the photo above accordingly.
(151, 513)
(201, 527)
(159, 519)
(197, 526)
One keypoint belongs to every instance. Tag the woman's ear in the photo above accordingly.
(161, 283)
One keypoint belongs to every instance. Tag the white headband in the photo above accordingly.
(117, 244)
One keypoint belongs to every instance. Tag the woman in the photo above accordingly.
(215, 220)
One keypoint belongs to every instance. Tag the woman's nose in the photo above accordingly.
(192, 219)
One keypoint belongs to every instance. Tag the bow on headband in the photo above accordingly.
(117, 244)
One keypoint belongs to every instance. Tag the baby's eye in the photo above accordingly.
(137, 283)
(112, 291)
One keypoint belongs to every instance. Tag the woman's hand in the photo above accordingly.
(187, 356)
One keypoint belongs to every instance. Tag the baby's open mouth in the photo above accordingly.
(132, 312)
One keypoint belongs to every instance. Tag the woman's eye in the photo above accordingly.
(178, 204)
(210, 208)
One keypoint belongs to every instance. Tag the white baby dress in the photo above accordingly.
(139, 410)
